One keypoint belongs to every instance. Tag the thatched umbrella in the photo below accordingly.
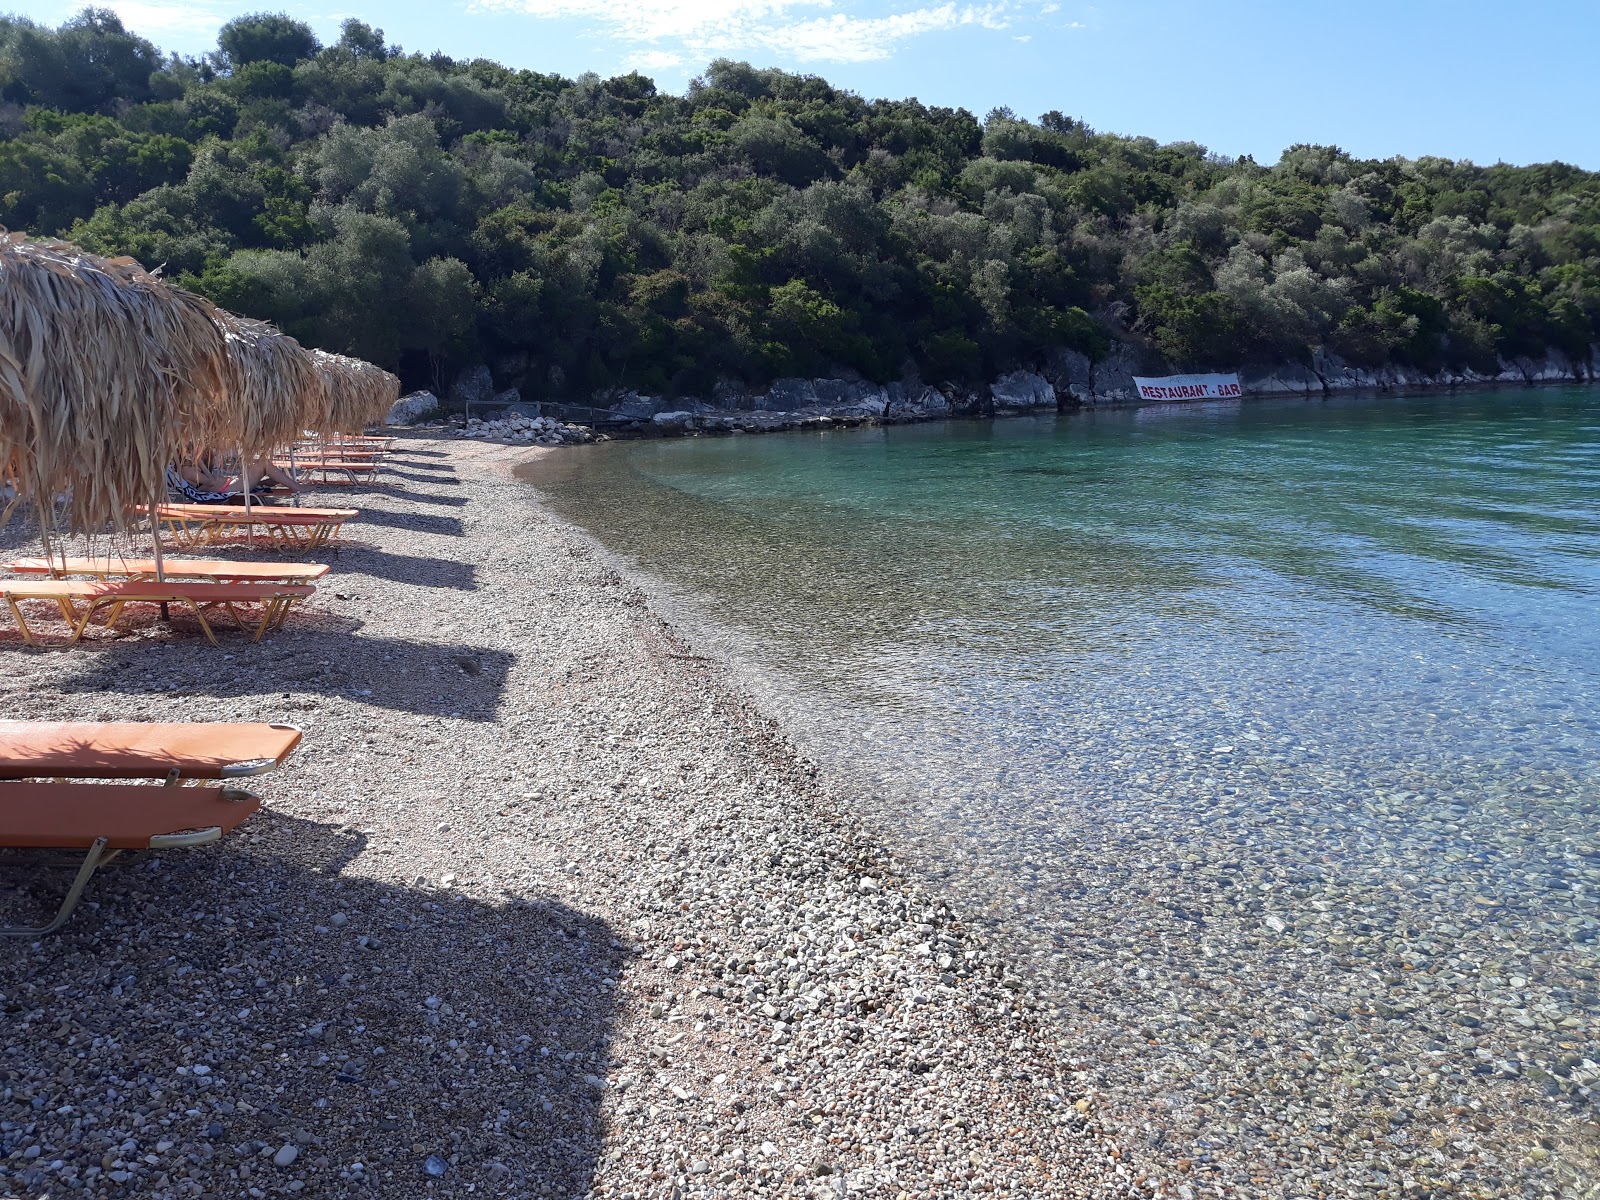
(106, 373)
(275, 385)
(357, 393)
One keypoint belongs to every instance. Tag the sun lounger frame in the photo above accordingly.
(275, 607)
(194, 527)
(332, 471)
(220, 570)
(158, 754)
(100, 853)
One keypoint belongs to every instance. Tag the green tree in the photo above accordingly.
(266, 38)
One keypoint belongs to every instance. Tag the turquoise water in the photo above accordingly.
(1266, 733)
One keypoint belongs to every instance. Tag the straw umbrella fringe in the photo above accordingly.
(106, 372)
(356, 393)
(276, 385)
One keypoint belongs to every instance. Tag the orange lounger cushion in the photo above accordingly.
(259, 512)
(74, 816)
(151, 591)
(138, 750)
(173, 568)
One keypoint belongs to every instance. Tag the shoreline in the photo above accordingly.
(1276, 1067)
(573, 430)
(543, 901)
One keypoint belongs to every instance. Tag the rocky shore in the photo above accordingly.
(1067, 381)
(542, 907)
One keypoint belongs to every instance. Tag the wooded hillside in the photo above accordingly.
(428, 214)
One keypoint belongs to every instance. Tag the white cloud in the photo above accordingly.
(155, 20)
(839, 38)
(681, 30)
(654, 60)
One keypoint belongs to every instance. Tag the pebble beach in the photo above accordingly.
(543, 906)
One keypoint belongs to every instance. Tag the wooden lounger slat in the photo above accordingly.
(151, 591)
(142, 750)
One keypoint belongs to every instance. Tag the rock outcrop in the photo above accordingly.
(1067, 380)
(408, 410)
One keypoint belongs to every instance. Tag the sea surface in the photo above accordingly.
(1267, 733)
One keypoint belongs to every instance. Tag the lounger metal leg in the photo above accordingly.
(91, 861)
(267, 611)
(88, 615)
(22, 624)
(204, 624)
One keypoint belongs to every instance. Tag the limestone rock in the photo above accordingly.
(1023, 390)
(473, 386)
(408, 410)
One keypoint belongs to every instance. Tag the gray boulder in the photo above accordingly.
(408, 410)
(473, 386)
(1023, 390)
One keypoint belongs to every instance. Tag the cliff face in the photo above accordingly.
(1068, 380)
(1111, 381)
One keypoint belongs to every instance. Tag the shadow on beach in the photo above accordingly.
(400, 493)
(258, 996)
(416, 522)
(408, 568)
(462, 681)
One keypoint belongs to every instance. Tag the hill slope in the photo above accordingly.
(583, 234)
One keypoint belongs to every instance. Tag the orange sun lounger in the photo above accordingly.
(337, 450)
(103, 819)
(215, 524)
(219, 570)
(81, 599)
(142, 749)
(332, 470)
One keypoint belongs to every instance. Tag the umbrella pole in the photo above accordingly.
(161, 567)
(249, 519)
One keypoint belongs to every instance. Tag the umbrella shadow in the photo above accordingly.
(410, 568)
(323, 659)
(423, 475)
(362, 1020)
(400, 493)
(416, 522)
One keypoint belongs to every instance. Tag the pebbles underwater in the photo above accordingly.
(1268, 739)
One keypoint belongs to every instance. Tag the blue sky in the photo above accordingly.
(1464, 79)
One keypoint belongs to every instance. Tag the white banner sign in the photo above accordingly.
(1188, 387)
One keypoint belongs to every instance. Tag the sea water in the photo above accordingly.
(1265, 733)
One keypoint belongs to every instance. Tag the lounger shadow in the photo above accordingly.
(463, 682)
(420, 522)
(382, 489)
(405, 968)
(410, 568)
(418, 474)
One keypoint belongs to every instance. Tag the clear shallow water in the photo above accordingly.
(1267, 733)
